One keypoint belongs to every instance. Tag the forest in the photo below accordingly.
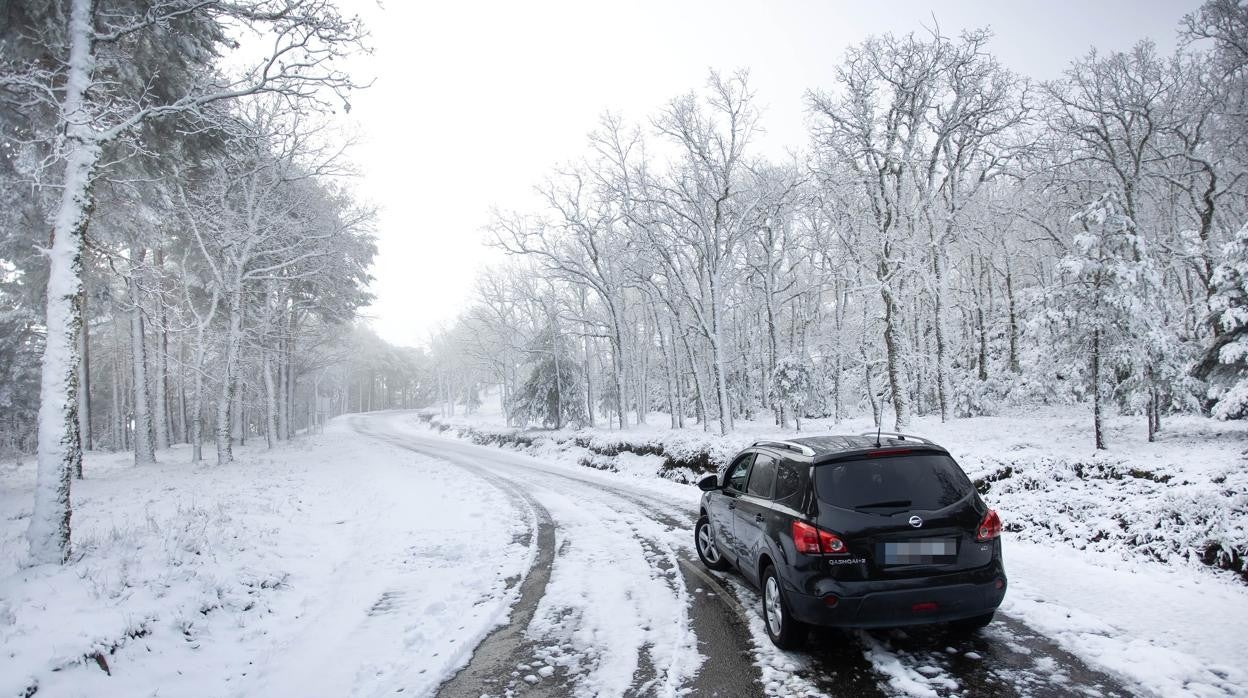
(954, 239)
(183, 256)
(184, 259)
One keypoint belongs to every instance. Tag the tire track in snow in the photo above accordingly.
(494, 662)
(721, 622)
(1005, 659)
(597, 533)
(721, 632)
(370, 612)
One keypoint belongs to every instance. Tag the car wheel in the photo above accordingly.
(970, 625)
(704, 541)
(784, 630)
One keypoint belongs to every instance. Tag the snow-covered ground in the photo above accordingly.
(348, 564)
(1103, 549)
(335, 566)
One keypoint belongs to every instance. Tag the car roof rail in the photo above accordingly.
(788, 446)
(899, 436)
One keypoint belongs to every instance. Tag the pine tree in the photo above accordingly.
(792, 386)
(553, 393)
(1225, 365)
(1101, 304)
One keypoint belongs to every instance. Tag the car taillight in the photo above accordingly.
(805, 538)
(814, 541)
(831, 544)
(888, 452)
(989, 528)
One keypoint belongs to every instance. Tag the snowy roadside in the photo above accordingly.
(335, 553)
(1172, 630)
(1104, 549)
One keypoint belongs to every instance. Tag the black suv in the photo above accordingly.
(854, 531)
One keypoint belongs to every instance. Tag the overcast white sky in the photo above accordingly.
(475, 101)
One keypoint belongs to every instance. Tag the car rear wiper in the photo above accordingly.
(885, 505)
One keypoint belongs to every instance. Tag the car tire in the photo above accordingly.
(785, 631)
(970, 625)
(704, 541)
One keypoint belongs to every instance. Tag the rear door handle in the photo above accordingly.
(758, 518)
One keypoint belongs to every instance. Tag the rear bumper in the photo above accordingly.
(902, 602)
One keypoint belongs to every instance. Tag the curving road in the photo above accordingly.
(616, 603)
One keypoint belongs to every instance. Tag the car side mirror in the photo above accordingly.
(708, 483)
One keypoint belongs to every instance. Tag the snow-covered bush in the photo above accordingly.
(682, 456)
(1108, 504)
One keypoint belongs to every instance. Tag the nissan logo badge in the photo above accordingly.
(916, 521)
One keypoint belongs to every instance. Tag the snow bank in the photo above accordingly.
(678, 455)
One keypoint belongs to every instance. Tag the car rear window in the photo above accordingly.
(914, 481)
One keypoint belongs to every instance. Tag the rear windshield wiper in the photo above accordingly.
(885, 505)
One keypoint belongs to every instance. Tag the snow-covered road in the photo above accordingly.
(383, 558)
(614, 614)
(620, 608)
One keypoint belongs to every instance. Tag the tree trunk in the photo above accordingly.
(280, 392)
(617, 369)
(769, 375)
(270, 401)
(719, 372)
(558, 379)
(938, 325)
(225, 402)
(144, 445)
(1097, 428)
(669, 361)
(678, 379)
(877, 417)
(84, 382)
(1160, 396)
(238, 430)
(119, 427)
(162, 357)
(60, 445)
(839, 358)
(698, 387)
(196, 436)
(982, 359)
(641, 384)
(892, 345)
(721, 387)
(1152, 411)
(589, 383)
(181, 423)
(1015, 366)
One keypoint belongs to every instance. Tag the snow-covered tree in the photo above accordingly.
(1225, 366)
(1101, 304)
(102, 77)
(921, 250)
(553, 393)
(792, 386)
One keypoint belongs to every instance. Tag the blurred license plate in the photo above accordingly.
(919, 552)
